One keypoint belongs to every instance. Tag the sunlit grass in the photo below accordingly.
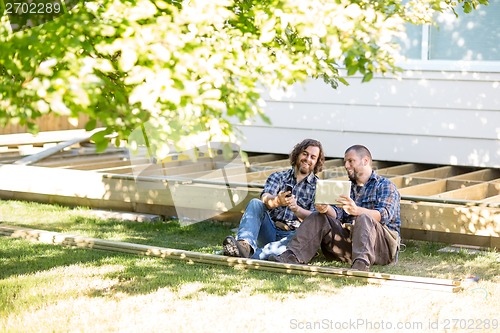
(71, 289)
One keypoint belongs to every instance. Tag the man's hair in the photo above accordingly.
(361, 151)
(300, 147)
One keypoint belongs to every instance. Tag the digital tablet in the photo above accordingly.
(328, 191)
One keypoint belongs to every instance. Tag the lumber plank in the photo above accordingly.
(453, 219)
(405, 181)
(492, 199)
(20, 139)
(479, 175)
(101, 166)
(221, 173)
(74, 159)
(53, 150)
(97, 186)
(451, 285)
(473, 192)
(262, 158)
(338, 173)
(255, 177)
(434, 188)
(282, 163)
(441, 172)
(158, 170)
(403, 169)
(451, 238)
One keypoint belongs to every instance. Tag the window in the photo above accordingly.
(473, 37)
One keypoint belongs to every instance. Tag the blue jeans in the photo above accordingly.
(257, 228)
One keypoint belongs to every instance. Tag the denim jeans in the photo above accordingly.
(257, 228)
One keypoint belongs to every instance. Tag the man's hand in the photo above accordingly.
(348, 205)
(290, 201)
(321, 208)
(282, 198)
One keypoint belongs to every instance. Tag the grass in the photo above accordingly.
(59, 289)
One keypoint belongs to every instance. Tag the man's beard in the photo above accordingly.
(305, 170)
(353, 177)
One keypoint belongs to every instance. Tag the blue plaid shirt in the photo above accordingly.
(378, 193)
(304, 193)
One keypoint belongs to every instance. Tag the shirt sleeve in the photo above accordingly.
(272, 185)
(388, 201)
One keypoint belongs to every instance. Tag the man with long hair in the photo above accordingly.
(287, 199)
(362, 229)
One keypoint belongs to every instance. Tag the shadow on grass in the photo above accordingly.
(206, 235)
(143, 275)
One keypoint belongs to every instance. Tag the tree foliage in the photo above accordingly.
(192, 69)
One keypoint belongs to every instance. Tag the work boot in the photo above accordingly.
(287, 257)
(244, 248)
(229, 247)
(360, 265)
(236, 248)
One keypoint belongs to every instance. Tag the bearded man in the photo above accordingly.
(287, 199)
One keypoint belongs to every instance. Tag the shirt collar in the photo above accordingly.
(309, 178)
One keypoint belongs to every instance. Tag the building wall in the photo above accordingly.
(49, 122)
(427, 116)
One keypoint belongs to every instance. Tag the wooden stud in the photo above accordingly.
(53, 150)
(451, 285)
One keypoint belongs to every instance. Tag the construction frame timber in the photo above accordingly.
(47, 237)
(445, 203)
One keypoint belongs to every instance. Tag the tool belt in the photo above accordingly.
(285, 225)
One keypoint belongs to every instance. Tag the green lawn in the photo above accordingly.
(52, 288)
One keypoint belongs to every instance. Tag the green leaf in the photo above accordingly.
(227, 151)
(344, 81)
(352, 70)
(90, 125)
(265, 118)
(367, 77)
(467, 7)
(101, 145)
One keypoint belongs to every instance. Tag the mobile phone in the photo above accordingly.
(288, 188)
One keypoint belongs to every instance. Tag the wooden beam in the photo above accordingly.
(434, 188)
(403, 169)
(455, 219)
(62, 160)
(157, 170)
(479, 191)
(86, 187)
(405, 181)
(451, 285)
(221, 173)
(53, 150)
(101, 166)
(480, 175)
(451, 238)
(265, 158)
(16, 140)
(283, 163)
(441, 172)
(255, 177)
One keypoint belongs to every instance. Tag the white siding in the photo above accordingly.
(426, 117)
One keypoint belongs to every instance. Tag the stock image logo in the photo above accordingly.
(26, 14)
(200, 183)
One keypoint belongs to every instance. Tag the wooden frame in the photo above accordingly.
(446, 203)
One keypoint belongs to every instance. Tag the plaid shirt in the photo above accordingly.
(378, 193)
(304, 193)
